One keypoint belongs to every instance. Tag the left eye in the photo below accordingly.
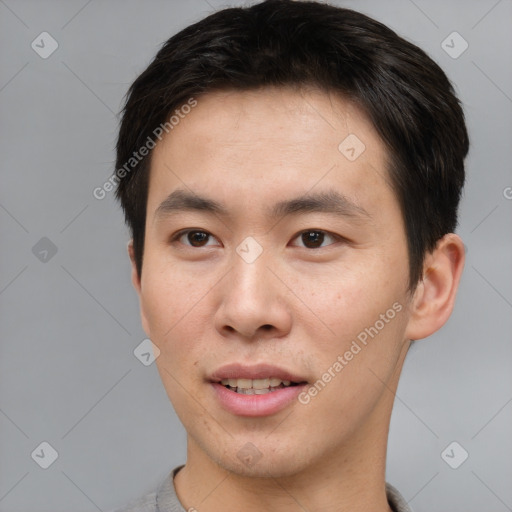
(314, 239)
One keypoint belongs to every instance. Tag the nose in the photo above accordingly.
(253, 302)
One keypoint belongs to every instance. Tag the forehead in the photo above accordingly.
(247, 146)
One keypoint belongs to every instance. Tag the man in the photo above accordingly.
(290, 173)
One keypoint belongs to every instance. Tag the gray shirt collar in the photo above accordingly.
(167, 501)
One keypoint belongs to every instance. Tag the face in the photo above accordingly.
(275, 278)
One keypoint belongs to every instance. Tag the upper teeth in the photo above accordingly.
(254, 383)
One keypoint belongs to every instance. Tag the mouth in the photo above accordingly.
(259, 390)
(257, 386)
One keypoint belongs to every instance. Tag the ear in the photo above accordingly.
(434, 297)
(135, 273)
(136, 281)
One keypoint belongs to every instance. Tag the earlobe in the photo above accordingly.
(434, 296)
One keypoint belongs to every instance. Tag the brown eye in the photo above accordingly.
(194, 238)
(316, 239)
(313, 239)
(197, 238)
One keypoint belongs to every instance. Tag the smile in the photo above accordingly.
(255, 390)
(256, 386)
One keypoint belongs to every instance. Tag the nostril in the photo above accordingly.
(266, 327)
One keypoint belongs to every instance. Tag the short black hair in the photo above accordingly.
(402, 91)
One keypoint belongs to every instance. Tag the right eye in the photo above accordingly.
(193, 238)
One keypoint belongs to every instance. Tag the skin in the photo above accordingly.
(295, 306)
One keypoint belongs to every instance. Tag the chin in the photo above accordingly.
(265, 461)
(264, 469)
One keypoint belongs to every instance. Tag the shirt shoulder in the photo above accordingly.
(146, 503)
(162, 499)
(396, 500)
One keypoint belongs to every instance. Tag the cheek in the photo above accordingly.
(172, 305)
(344, 301)
(175, 312)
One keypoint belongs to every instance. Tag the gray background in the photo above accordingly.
(69, 323)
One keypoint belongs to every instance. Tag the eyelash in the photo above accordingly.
(176, 237)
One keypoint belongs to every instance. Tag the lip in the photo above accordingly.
(259, 371)
(255, 405)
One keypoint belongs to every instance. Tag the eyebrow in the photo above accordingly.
(322, 202)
